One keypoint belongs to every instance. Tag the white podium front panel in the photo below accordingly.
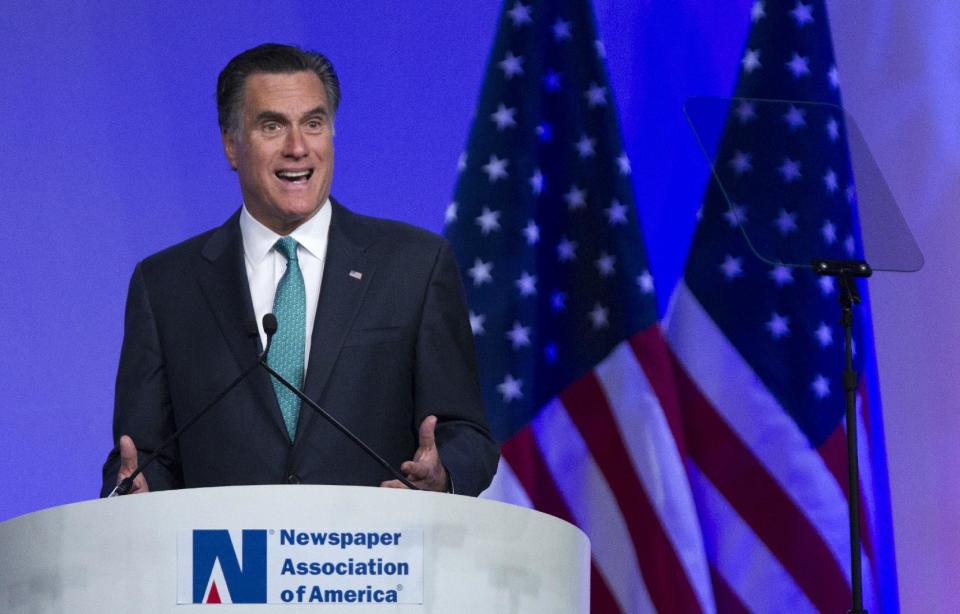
(121, 554)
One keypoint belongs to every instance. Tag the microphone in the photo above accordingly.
(269, 327)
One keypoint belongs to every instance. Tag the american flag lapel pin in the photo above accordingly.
(356, 274)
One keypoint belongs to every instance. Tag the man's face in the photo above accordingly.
(283, 148)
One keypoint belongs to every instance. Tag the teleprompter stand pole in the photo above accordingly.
(847, 271)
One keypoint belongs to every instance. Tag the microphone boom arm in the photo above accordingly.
(339, 426)
(123, 486)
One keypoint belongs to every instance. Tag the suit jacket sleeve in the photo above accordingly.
(142, 407)
(446, 381)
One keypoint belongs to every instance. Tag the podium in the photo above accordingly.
(133, 553)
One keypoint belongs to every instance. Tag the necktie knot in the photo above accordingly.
(288, 247)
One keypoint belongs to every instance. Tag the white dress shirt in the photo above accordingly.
(265, 265)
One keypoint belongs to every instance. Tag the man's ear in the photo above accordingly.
(229, 148)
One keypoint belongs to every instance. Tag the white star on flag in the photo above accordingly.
(519, 336)
(799, 65)
(536, 181)
(561, 30)
(511, 65)
(476, 323)
(496, 168)
(820, 386)
(732, 267)
(520, 14)
(504, 117)
(488, 221)
(833, 129)
(599, 316)
(833, 75)
(795, 118)
(786, 222)
(745, 111)
(802, 14)
(736, 215)
(510, 388)
(778, 325)
(575, 198)
(605, 264)
(462, 162)
(829, 232)
(826, 285)
(756, 12)
(616, 213)
(751, 60)
(532, 232)
(596, 96)
(645, 282)
(480, 272)
(849, 245)
(781, 275)
(623, 162)
(601, 49)
(527, 284)
(824, 335)
(567, 250)
(790, 170)
(740, 162)
(451, 213)
(585, 147)
(830, 181)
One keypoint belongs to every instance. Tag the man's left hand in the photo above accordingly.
(425, 471)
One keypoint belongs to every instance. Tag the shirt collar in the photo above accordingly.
(312, 235)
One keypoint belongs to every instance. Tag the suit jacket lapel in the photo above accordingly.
(341, 293)
(227, 291)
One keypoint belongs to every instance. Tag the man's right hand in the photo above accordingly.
(128, 464)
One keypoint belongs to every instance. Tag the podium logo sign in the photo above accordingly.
(239, 565)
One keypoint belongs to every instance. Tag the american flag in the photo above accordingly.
(758, 345)
(575, 374)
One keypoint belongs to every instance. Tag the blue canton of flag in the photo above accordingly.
(761, 341)
(543, 220)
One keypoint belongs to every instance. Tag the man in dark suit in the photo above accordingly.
(372, 320)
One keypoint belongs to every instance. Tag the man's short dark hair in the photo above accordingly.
(270, 58)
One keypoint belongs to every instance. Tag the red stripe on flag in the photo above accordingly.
(727, 601)
(526, 460)
(834, 453)
(760, 501)
(651, 351)
(666, 579)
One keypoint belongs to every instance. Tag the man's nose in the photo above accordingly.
(295, 145)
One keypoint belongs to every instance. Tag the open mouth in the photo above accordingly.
(294, 176)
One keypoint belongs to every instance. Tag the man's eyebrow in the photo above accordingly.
(317, 110)
(273, 116)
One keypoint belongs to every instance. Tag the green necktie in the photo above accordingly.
(286, 354)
